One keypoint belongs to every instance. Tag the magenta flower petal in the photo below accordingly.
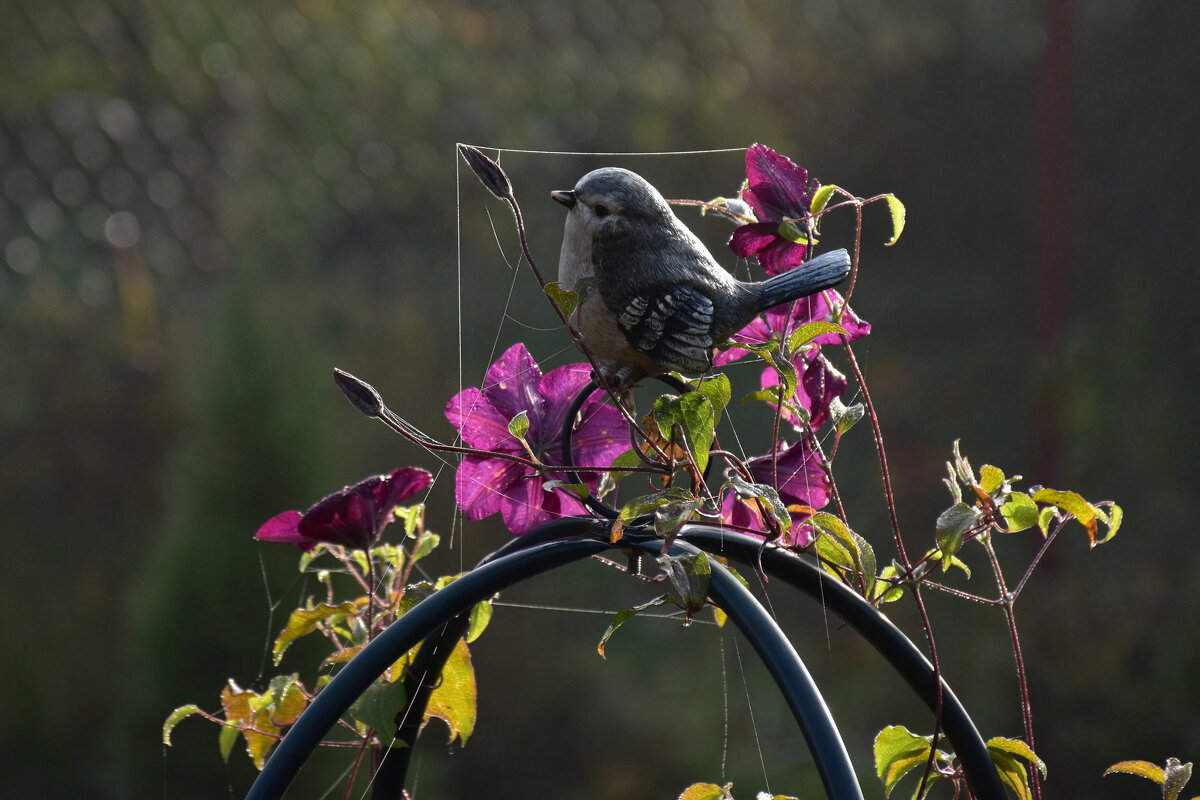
(757, 332)
(479, 422)
(777, 189)
(559, 388)
(511, 384)
(284, 529)
(820, 384)
(353, 517)
(820, 307)
(782, 256)
(526, 505)
(750, 239)
(479, 482)
(802, 478)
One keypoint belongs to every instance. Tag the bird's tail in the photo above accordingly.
(822, 272)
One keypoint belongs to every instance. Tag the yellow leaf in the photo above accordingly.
(1073, 504)
(304, 621)
(1141, 768)
(453, 701)
(237, 703)
(289, 707)
(258, 745)
(705, 791)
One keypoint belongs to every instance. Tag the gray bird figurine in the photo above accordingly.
(660, 300)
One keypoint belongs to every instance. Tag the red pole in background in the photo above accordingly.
(1053, 229)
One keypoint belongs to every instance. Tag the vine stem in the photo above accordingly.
(1008, 603)
(890, 499)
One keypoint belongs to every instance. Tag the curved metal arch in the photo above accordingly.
(572, 540)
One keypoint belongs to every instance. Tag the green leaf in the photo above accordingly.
(413, 594)
(181, 713)
(842, 547)
(1019, 512)
(1045, 516)
(952, 524)
(690, 576)
(1012, 774)
(608, 480)
(579, 490)
(378, 706)
(566, 301)
(650, 503)
(897, 210)
(758, 348)
(786, 370)
(991, 479)
(706, 791)
(226, 739)
(885, 591)
(627, 614)
(1018, 748)
(809, 331)
(948, 561)
(303, 621)
(761, 491)
(768, 395)
(426, 543)
(694, 414)
(790, 230)
(845, 417)
(1113, 519)
(518, 426)
(716, 388)
(308, 557)
(453, 701)
(411, 516)
(897, 752)
(962, 467)
(629, 458)
(1175, 777)
(1073, 504)
(390, 555)
(821, 197)
(670, 516)
(481, 615)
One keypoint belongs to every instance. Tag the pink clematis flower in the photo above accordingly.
(780, 193)
(486, 485)
(353, 517)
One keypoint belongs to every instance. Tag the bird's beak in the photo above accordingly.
(564, 196)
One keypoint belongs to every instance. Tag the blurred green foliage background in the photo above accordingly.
(205, 205)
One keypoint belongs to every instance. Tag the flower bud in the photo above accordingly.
(360, 394)
(487, 171)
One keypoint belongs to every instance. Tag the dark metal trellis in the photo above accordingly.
(440, 620)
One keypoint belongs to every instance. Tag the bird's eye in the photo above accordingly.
(601, 210)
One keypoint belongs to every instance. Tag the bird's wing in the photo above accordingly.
(673, 326)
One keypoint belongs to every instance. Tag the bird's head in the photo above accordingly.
(612, 199)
